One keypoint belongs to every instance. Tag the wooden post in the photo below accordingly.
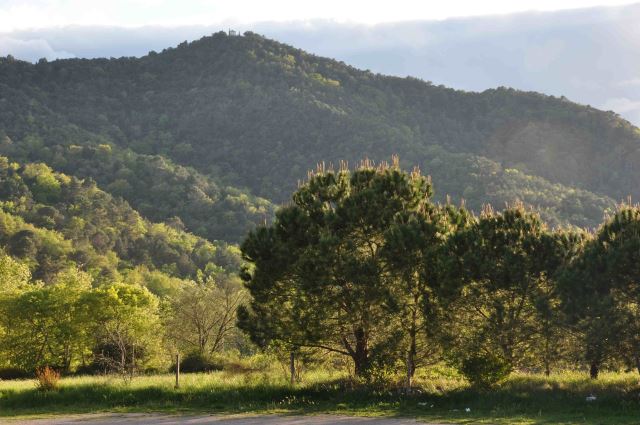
(177, 370)
(292, 367)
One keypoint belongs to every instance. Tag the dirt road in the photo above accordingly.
(148, 419)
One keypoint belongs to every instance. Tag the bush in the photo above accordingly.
(93, 368)
(8, 373)
(47, 379)
(485, 370)
(195, 362)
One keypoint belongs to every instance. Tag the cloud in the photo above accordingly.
(30, 49)
(22, 14)
(628, 108)
(634, 82)
(622, 105)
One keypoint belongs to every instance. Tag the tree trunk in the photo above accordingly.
(292, 367)
(413, 347)
(594, 370)
(547, 355)
(361, 353)
(409, 371)
(67, 358)
(133, 360)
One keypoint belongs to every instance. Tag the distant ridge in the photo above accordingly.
(251, 113)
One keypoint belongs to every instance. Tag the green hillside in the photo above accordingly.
(53, 221)
(203, 130)
(154, 185)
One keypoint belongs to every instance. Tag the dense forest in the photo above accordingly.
(127, 186)
(51, 220)
(84, 276)
(225, 120)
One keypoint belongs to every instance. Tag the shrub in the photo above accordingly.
(93, 368)
(485, 370)
(8, 373)
(195, 362)
(47, 378)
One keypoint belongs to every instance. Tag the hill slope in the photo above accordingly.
(51, 220)
(252, 113)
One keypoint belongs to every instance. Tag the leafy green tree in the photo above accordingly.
(14, 275)
(48, 325)
(498, 273)
(46, 186)
(15, 278)
(126, 324)
(413, 250)
(158, 283)
(202, 316)
(601, 291)
(555, 340)
(319, 276)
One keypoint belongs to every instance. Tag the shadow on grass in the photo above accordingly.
(518, 401)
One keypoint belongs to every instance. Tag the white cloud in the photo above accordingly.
(23, 14)
(30, 49)
(634, 82)
(622, 105)
(542, 56)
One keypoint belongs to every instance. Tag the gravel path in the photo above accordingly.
(148, 419)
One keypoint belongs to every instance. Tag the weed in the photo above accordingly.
(47, 379)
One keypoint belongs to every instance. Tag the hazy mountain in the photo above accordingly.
(177, 133)
(587, 55)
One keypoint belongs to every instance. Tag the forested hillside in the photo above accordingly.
(52, 221)
(215, 131)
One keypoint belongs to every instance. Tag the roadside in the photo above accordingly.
(148, 419)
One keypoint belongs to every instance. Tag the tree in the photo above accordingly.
(414, 250)
(14, 275)
(203, 315)
(48, 325)
(15, 278)
(498, 273)
(601, 291)
(46, 186)
(319, 277)
(126, 325)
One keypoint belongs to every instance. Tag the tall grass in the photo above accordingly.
(443, 396)
(47, 379)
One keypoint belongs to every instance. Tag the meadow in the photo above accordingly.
(442, 396)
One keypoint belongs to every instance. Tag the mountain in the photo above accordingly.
(587, 54)
(217, 131)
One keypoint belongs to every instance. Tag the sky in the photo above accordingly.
(29, 14)
(586, 50)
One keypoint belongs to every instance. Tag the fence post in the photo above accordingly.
(177, 370)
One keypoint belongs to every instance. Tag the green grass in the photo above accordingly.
(523, 399)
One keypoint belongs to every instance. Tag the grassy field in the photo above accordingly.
(523, 399)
